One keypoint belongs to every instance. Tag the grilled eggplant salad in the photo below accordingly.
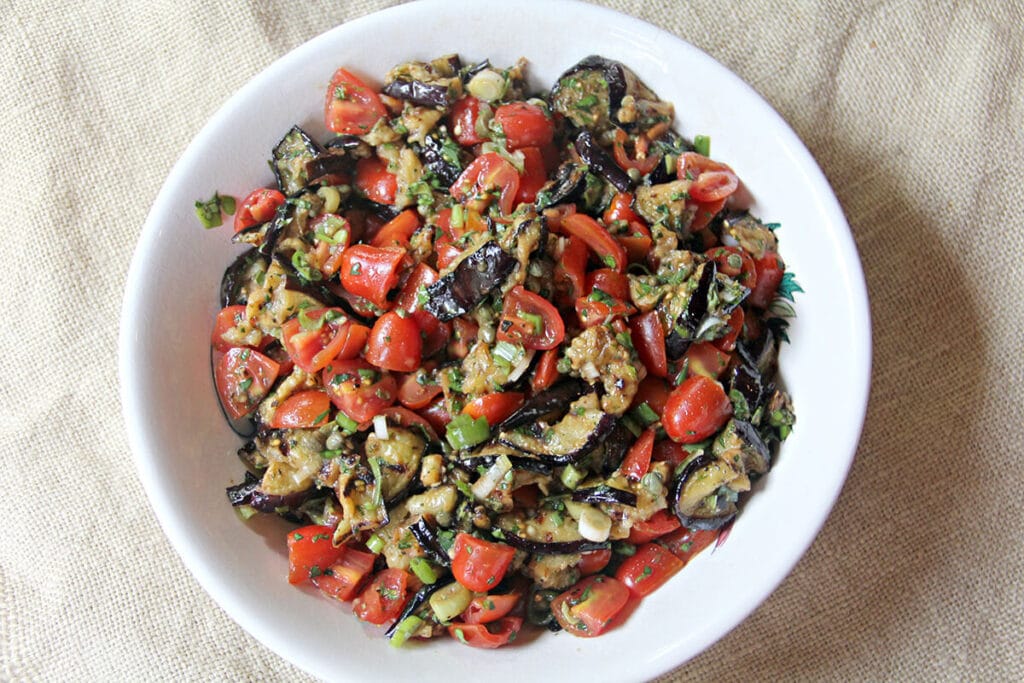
(505, 356)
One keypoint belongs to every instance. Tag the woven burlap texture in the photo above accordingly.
(915, 112)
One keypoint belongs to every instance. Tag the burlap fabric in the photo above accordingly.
(915, 113)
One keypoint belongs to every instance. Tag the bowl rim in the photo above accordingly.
(141, 441)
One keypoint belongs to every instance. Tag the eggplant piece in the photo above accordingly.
(568, 184)
(419, 92)
(701, 497)
(547, 403)
(740, 229)
(745, 388)
(264, 236)
(761, 353)
(666, 203)
(685, 327)
(326, 164)
(538, 608)
(582, 429)
(249, 493)
(487, 455)
(241, 277)
(473, 278)
(426, 535)
(344, 142)
(600, 162)
(418, 600)
(610, 455)
(740, 444)
(604, 494)
(291, 156)
(399, 458)
(590, 92)
(438, 159)
(554, 547)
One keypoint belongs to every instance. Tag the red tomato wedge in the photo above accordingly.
(397, 231)
(546, 372)
(310, 552)
(374, 181)
(641, 160)
(588, 608)
(524, 125)
(533, 177)
(371, 272)
(487, 174)
(487, 608)
(463, 119)
(686, 543)
(301, 410)
(383, 598)
(395, 343)
(417, 389)
(351, 108)
(494, 407)
(316, 337)
(648, 569)
(232, 318)
(498, 633)
(600, 241)
(435, 333)
(704, 358)
(258, 207)
(648, 338)
(695, 410)
(530, 320)
(659, 524)
(342, 579)
(727, 342)
(480, 565)
(638, 458)
(358, 389)
(243, 377)
(770, 270)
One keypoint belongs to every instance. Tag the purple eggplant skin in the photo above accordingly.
(474, 278)
(470, 70)
(600, 162)
(676, 343)
(426, 535)
(614, 73)
(291, 155)
(326, 164)
(549, 402)
(746, 388)
(604, 494)
(434, 161)
(556, 548)
(418, 92)
(605, 424)
(417, 601)
(519, 462)
(249, 493)
(568, 184)
(691, 522)
(613, 450)
(232, 284)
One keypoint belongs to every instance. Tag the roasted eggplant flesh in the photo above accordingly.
(242, 277)
(473, 278)
(399, 458)
(433, 84)
(740, 444)
(590, 92)
(568, 184)
(442, 157)
(543, 532)
(582, 429)
(745, 388)
(703, 498)
(291, 157)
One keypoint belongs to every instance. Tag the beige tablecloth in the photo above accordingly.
(913, 109)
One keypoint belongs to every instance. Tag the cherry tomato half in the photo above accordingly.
(243, 377)
(395, 343)
(648, 569)
(487, 608)
(371, 272)
(342, 579)
(648, 338)
(498, 633)
(358, 389)
(374, 181)
(524, 125)
(494, 407)
(258, 207)
(301, 410)
(695, 410)
(530, 320)
(351, 108)
(310, 552)
(486, 174)
(318, 336)
(600, 241)
(587, 608)
(383, 598)
(480, 565)
(463, 121)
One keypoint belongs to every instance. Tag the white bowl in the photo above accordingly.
(185, 452)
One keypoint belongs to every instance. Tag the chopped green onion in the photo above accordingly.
(422, 569)
(623, 548)
(702, 145)
(652, 482)
(601, 296)
(302, 266)
(464, 431)
(631, 425)
(449, 602)
(645, 414)
(347, 424)
(378, 481)
(406, 628)
(227, 204)
(331, 197)
(508, 353)
(571, 476)
(246, 511)
(375, 544)
(209, 212)
(458, 218)
(308, 323)
(534, 319)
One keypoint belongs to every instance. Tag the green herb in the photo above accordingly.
(585, 103)
(245, 384)
(601, 296)
(209, 212)
(297, 536)
(645, 414)
(647, 571)
(609, 261)
(367, 374)
(378, 481)
(508, 354)
(702, 145)
(302, 266)
(534, 319)
(322, 416)
(356, 269)
(346, 423)
(626, 549)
